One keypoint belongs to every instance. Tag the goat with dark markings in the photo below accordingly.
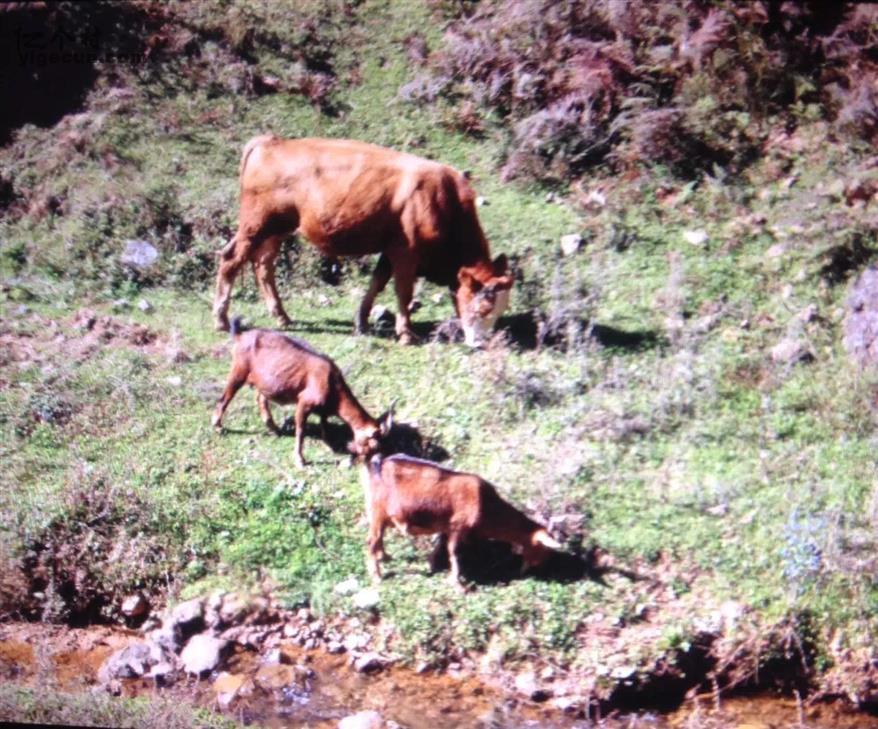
(286, 371)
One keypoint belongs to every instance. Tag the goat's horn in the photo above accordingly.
(542, 537)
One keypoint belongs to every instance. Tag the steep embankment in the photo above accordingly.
(676, 396)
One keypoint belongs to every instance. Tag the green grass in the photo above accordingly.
(689, 458)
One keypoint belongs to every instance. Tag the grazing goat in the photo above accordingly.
(352, 199)
(421, 497)
(286, 370)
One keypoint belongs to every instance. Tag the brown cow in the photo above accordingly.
(286, 370)
(421, 497)
(350, 199)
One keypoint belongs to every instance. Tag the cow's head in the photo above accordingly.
(367, 440)
(481, 301)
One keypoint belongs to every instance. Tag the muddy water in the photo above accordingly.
(327, 689)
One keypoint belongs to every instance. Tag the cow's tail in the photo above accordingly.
(249, 147)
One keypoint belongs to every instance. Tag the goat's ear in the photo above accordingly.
(385, 422)
(468, 281)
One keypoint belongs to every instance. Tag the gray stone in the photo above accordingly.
(145, 306)
(130, 662)
(570, 243)
(526, 684)
(367, 599)
(202, 653)
(791, 351)
(369, 663)
(187, 617)
(363, 720)
(861, 321)
(139, 254)
(135, 606)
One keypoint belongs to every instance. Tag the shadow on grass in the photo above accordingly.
(487, 562)
(524, 330)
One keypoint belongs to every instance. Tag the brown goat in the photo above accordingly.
(286, 370)
(421, 497)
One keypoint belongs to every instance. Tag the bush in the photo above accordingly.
(683, 83)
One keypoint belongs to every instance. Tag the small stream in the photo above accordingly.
(316, 689)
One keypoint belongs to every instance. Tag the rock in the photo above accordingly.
(227, 687)
(234, 608)
(369, 663)
(202, 653)
(695, 237)
(570, 243)
(120, 304)
(333, 647)
(382, 317)
(566, 704)
(163, 673)
(130, 662)
(357, 641)
(776, 251)
(135, 606)
(188, 616)
(861, 320)
(367, 599)
(166, 638)
(481, 201)
(145, 306)
(275, 657)
(362, 720)
(791, 351)
(174, 381)
(278, 676)
(526, 684)
(138, 254)
(347, 587)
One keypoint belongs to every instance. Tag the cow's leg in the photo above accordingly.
(237, 378)
(302, 409)
(265, 412)
(404, 273)
(232, 258)
(264, 264)
(380, 277)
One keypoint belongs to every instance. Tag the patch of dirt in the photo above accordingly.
(37, 341)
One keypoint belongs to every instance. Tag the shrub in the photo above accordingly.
(682, 83)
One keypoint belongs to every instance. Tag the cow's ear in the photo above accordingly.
(501, 265)
(468, 281)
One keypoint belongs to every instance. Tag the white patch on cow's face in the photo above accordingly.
(481, 314)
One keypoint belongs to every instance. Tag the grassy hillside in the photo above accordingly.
(721, 491)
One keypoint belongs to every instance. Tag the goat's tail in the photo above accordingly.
(235, 328)
(375, 464)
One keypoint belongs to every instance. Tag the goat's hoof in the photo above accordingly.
(407, 338)
(284, 321)
(221, 325)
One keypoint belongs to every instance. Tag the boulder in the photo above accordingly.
(791, 351)
(861, 320)
(135, 606)
(363, 720)
(130, 662)
(570, 243)
(202, 654)
(138, 254)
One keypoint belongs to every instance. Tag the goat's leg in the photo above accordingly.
(302, 410)
(235, 382)
(265, 412)
(232, 259)
(264, 264)
(454, 539)
(323, 428)
(375, 547)
(380, 277)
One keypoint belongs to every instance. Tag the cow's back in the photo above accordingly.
(353, 198)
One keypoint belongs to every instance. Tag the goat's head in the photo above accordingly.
(480, 302)
(367, 440)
